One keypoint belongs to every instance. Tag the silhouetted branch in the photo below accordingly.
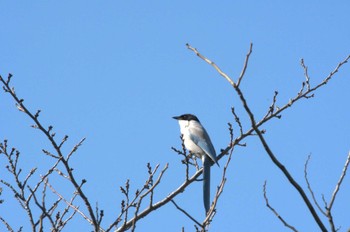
(273, 107)
(335, 192)
(309, 186)
(69, 205)
(245, 65)
(136, 201)
(131, 206)
(57, 147)
(280, 165)
(306, 74)
(19, 189)
(43, 178)
(45, 213)
(186, 159)
(187, 214)
(237, 120)
(212, 210)
(254, 125)
(274, 211)
(214, 65)
(340, 181)
(8, 227)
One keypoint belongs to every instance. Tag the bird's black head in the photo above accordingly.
(186, 117)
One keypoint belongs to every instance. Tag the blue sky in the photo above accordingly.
(115, 72)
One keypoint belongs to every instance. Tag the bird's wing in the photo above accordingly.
(201, 138)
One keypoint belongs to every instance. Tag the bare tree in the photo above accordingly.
(43, 212)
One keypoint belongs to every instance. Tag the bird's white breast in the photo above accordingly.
(189, 144)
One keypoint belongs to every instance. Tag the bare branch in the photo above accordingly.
(75, 148)
(309, 186)
(212, 210)
(150, 186)
(274, 211)
(306, 74)
(273, 107)
(70, 203)
(334, 195)
(238, 121)
(255, 126)
(19, 194)
(133, 203)
(150, 208)
(187, 214)
(65, 138)
(50, 136)
(8, 227)
(212, 64)
(245, 65)
(186, 159)
(50, 154)
(44, 212)
(337, 187)
(28, 176)
(43, 178)
(280, 165)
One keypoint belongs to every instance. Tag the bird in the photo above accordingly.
(197, 141)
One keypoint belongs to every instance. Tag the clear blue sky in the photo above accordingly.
(117, 71)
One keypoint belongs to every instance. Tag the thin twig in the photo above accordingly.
(42, 207)
(151, 189)
(8, 227)
(75, 148)
(337, 187)
(43, 178)
(187, 214)
(255, 127)
(164, 201)
(306, 74)
(245, 65)
(212, 64)
(335, 192)
(238, 121)
(275, 212)
(50, 136)
(75, 208)
(273, 107)
(281, 166)
(309, 186)
(212, 210)
(20, 193)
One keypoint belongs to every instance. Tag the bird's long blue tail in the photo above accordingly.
(206, 183)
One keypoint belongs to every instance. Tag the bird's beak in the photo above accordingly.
(176, 117)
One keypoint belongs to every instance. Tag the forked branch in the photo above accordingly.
(275, 113)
